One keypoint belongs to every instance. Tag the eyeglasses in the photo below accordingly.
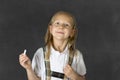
(65, 25)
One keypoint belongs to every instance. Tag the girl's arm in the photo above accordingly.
(26, 63)
(75, 76)
(31, 75)
(70, 73)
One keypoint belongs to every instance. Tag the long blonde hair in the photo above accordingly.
(72, 39)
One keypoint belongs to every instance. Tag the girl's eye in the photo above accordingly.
(57, 23)
(66, 25)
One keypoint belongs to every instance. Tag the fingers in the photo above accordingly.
(67, 67)
(22, 58)
(68, 71)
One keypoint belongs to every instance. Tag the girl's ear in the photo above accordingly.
(50, 28)
(72, 33)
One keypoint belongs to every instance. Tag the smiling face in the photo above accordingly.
(61, 28)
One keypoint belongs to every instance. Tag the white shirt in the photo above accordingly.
(57, 62)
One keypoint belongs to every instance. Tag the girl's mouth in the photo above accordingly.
(60, 32)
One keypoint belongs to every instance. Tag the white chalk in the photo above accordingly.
(24, 51)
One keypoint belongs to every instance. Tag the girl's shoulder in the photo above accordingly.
(39, 51)
(78, 53)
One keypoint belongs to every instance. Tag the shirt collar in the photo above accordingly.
(64, 52)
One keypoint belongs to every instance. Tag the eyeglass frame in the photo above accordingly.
(65, 25)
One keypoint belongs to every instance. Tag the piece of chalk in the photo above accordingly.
(24, 52)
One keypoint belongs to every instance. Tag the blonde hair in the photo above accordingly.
(72, 39)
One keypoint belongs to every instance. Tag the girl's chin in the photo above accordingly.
(60, 38)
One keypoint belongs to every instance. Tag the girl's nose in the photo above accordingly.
(61, 26)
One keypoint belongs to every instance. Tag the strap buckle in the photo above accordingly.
(57, 74)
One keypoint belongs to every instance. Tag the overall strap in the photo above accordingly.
(70, 63)
(47, 66)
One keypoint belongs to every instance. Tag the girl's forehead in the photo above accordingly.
(65, 18)
(62, 16)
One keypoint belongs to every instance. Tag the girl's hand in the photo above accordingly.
(69, 72)
(24, 61)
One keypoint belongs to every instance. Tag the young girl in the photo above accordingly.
(59, 59)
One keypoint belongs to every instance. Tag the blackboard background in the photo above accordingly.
(23, 24)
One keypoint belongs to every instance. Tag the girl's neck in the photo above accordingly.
(59, 45)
